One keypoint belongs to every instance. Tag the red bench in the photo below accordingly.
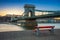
(38, 27)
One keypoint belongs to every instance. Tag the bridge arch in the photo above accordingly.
(29, 9)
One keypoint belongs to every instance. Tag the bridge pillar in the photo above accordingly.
(30, 23)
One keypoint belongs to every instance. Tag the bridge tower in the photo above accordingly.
(29, 12)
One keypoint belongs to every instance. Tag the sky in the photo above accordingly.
(14, 6)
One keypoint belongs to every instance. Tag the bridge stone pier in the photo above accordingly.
(29, 12)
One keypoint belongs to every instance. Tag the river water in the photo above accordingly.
(57, 25)
(11, 27)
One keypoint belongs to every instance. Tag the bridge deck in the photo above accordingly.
(39, 17)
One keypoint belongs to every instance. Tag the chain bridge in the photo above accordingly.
(30, 9)
(29, 15)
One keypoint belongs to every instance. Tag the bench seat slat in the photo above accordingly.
(44, 26)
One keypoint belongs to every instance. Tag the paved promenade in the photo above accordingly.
(13, 32)
(28, 35)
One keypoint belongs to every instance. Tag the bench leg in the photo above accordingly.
(52, 31)
(37, 31)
